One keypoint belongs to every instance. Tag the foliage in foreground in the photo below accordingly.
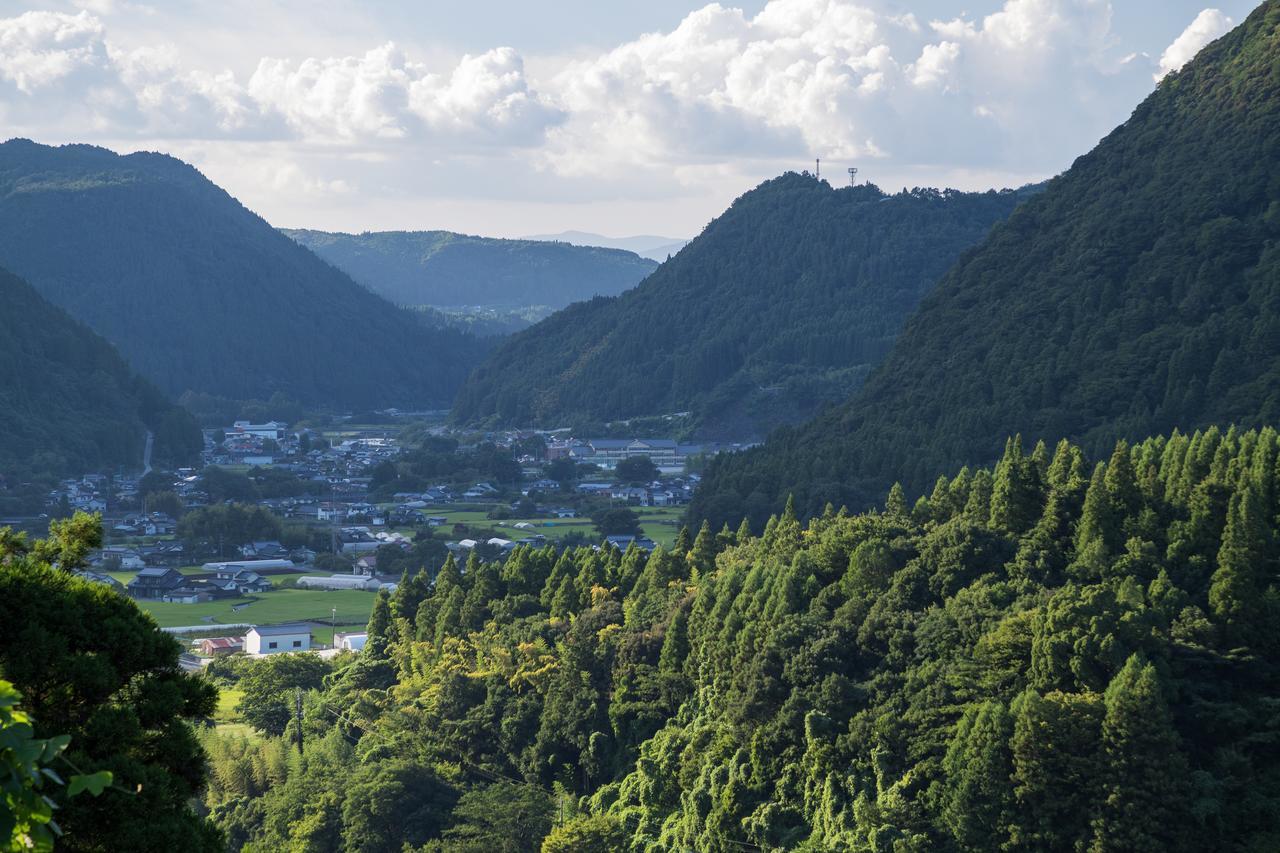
(94, 668)
(1045, 656)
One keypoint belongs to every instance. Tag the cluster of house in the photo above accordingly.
(274, 444)
(668, 491)
(667, 454)
(246, 443)
(145, 524)
(277, 639)
(232, 579)
(91, 492)
(117, 557)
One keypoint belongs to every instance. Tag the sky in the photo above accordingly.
(510, 117)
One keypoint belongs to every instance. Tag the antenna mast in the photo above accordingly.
(853, 176)
(817, 169)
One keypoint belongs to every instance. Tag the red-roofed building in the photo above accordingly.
(213, 646)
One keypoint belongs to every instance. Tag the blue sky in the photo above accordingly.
(509, 118)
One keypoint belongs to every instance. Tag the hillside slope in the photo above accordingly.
(70, 403)
(1140, 292)
(1041, 660)
(445, 269)
(199, 293)
(784, 302)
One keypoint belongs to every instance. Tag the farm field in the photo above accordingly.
(269, 608)
(661, 524)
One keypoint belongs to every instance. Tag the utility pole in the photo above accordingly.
(333, 516)
(297, 707)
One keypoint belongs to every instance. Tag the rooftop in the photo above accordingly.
(287, 628)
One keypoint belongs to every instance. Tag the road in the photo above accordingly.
(146, 453)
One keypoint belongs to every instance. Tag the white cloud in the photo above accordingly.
(43, 49)
(842, 79)
(486, 98)
(342, 98)
(721, 98)
(1208, 25)
(935, 64)
(62, 67)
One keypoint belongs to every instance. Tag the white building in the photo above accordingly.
(231, 567)
(338, 582)
(273, 639)
(271, 429)
(350, 641)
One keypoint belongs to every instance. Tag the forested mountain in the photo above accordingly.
(784, 302)
(1048, 656)
(69, 403)
(198, 293)
(1140, 292)
(445, 269)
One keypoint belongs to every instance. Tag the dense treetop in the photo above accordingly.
(1050, 655)
(92, 667)
(199, 293)
(70, 404)
(784, 302)
(443, 268)
(1139, 292)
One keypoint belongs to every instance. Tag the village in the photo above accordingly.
(296, 530)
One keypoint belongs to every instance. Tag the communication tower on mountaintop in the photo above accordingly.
(853, 176)
(817, 169)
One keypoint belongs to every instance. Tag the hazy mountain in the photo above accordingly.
(1139, 293)
(645, 245)
(199, 293)
(784, 302)
(440, 268)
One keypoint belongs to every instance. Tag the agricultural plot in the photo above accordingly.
(269, 608)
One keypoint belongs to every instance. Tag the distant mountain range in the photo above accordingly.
(200, 294)
(443, 269)
(784, 303)
(1138, 294)
(70, 404)
(646, 245)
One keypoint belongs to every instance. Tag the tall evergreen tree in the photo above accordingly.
(978, 800)
(1056, 747)
(1095, 534)
(1145, 799)
(1243, 562)
(379, 628)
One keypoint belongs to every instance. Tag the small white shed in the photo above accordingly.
(272, 639)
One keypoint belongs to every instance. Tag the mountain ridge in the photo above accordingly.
(199, 293)
(783, 303)
(448, 269)
(70, 403)
(1138, 294)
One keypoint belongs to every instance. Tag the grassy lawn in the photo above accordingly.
(227, 719)
(661, 524)
(323, 634)
(269, 608)
(228, 699)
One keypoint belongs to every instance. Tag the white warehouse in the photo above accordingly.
(273, 639)
(339, 582)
